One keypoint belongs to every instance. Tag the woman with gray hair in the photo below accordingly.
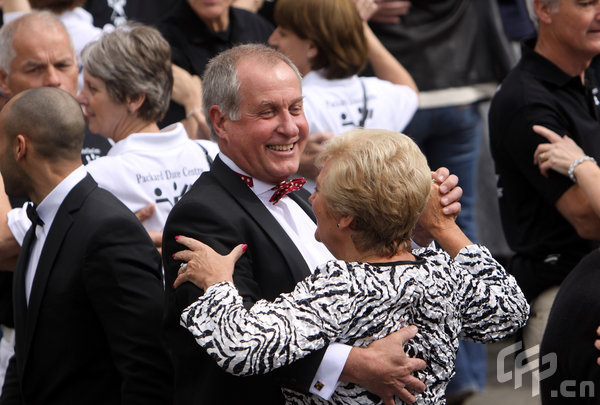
(373, 187)
(127, 87)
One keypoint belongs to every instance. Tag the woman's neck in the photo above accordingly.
(134, 127)
(400, 256)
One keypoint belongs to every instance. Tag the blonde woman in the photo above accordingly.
(371, 191)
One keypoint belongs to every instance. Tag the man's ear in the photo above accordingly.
(218, 120)
(543, 11)
(4, 83)
(20, 147)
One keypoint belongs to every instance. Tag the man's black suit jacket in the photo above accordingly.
(91, 331)
(222, 211)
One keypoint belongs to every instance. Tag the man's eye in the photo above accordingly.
(267, 113)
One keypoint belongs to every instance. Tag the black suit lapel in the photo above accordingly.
(249, 203)
(58, 230)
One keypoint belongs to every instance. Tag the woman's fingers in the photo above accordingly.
(549, 134)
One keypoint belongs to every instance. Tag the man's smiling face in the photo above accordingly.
(268, 139)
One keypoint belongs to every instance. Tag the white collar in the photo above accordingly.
(48, 208)
(259, 187)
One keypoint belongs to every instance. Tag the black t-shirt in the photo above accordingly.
(538, 92)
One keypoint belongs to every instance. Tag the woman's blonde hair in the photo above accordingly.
(334, 26)
(382, 179)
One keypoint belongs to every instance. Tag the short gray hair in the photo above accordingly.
(220, 84)
(133, 60)
(552, 3)
(7, 34)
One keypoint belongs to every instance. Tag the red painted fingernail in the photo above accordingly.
(244, 247)
(177, 237)
(173, 255)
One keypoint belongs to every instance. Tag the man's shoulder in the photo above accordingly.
(101, 205)
(207, 196)
(514, 88)
(518, 94)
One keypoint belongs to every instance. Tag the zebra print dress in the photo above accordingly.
(470, 297)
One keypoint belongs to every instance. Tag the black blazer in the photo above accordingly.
(91, 332)
(223, 212)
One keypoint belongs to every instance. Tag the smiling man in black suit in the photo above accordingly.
(87, 291)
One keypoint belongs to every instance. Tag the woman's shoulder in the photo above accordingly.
(430, 253)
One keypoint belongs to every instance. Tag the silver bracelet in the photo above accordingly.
(576, 163)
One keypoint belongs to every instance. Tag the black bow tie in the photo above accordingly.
(33, 216)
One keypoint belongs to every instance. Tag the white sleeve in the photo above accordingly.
(327, 376)
(19, 223)
(493, 306)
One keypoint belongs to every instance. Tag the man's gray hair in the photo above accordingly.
(7, 34)
(133, 60)
(220, 84)
(552, 3)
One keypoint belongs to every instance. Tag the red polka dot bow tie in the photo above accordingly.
(247, 179)
(286, 187)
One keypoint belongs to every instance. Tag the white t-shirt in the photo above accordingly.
(337, 105)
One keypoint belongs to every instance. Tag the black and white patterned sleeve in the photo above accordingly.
(494, 306)
(270, 334)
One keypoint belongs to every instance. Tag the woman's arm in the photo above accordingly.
(562, 152)
(187, 91)
(442, 226)
(270, 334)
(16, 5)
(493, 305)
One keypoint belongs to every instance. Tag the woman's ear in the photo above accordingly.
(312, 51)
(134, 103)
(345, 222)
